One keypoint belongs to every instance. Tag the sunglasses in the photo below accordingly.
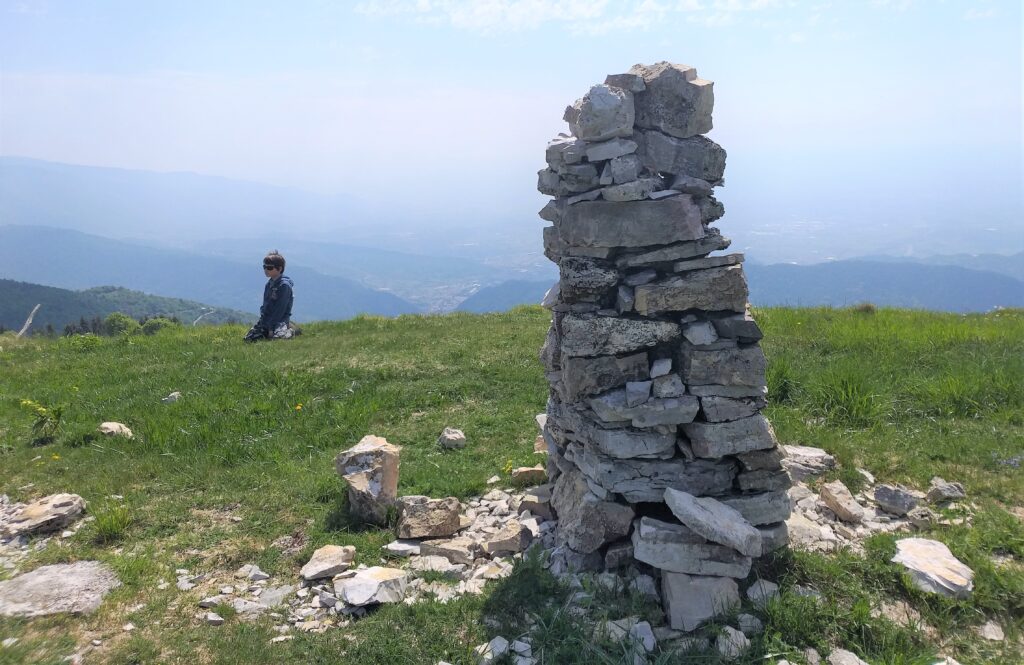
(269, 267)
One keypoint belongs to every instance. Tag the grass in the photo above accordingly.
(246, 457)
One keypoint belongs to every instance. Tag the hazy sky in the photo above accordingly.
(831, 112)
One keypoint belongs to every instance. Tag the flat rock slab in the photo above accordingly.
(691, 600)
(933, 568)
(631, 223)
(76, 588)
(715, 521)
(47, 514)
(373, 585)
(839, 499)
(328, 561)
(423, 517)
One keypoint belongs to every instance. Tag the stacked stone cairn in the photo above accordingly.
(657, 446)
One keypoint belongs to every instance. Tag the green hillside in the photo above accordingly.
(245, 458)
(61, 307)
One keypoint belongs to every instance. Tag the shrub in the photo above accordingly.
(120, 324)
(153, 326)
(47, 423)
(83, 343)
(865, 308)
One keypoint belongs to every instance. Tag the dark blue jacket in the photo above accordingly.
(277, 303)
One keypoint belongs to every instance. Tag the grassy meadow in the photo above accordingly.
(240, 470)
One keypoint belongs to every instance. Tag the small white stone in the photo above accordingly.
(214, 619)
(991, 631)
(128, 627)
(9, 642)
(97, 643)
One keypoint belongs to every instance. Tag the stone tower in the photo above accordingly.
(658, 450)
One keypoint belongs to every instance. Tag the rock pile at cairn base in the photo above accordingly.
(658, 448)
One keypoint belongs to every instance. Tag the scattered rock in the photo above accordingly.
(423, 517)
(750, 625)
(933, 568)
(251, 572)
(371, 470)
(731, 643)
(373, 585)
(992, 631)
(214, 619)
(761, 592)
(172, 398)
(115, 429)
(942, 491)
(50, 513)
(452, 439)
(805, 462)
(402, 548)
(529, 475)
(692, 600)
(493, 650)
(844, 657)
(897, 499)
(839, 499)
(76, 588)
(328, 561)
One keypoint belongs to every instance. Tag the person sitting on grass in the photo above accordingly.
(276, 311)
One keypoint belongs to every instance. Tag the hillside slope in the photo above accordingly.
(63, 306)
(72, 260)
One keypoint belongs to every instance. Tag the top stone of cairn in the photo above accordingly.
(674, 100)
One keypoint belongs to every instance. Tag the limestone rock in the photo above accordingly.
(612, 407)
(762, 592)
(714, 440)
(677, 548)
(115, 429)
(692, 600)
(668, 386)
(512, 538)
(537, 500)
(804, 462)
(712, 289)
(371, 470)
(725, 367)
(589, 376)
(423, 517)
(372, 585)
(933, 568)
(639, 480)
(452, 438)
(75, 588)
(583, 277)
(50, 513)
(991, 631)
(584, 521)
(763, 508)
(840, 501)
(731, 643)
(897, 499)
(597, 152)
(631, 223)
(696, 156)
(603, 113)
(529, 475)
(635, 190)
(738, 326)
(457, 550)
(403, 548)
(774, 536)
(707, 262)
(844, 657)
(674, 100)
(600, 336)
(721, 409)
(714, 521)
(328, 561)
(700, 333)
(941, 491)
(712, 241)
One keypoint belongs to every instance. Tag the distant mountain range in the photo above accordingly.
(838, 283)
(72, 260)
(59, 307)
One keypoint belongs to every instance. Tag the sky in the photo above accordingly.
(850, 120)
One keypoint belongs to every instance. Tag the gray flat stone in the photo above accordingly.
(684, 250)
(696, 156)
(715, 521)
(679, 549)
(692, 600)
(725, 367)
(759, 509)
(601, 336)
(74, 588)
(674, 100)
(713, 289)
(639, 480)
(714, 440)
(933, 568)
(590, 376)
(631, 223)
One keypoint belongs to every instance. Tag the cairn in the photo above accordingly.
(657, 447)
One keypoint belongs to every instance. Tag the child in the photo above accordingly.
(276, 311)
